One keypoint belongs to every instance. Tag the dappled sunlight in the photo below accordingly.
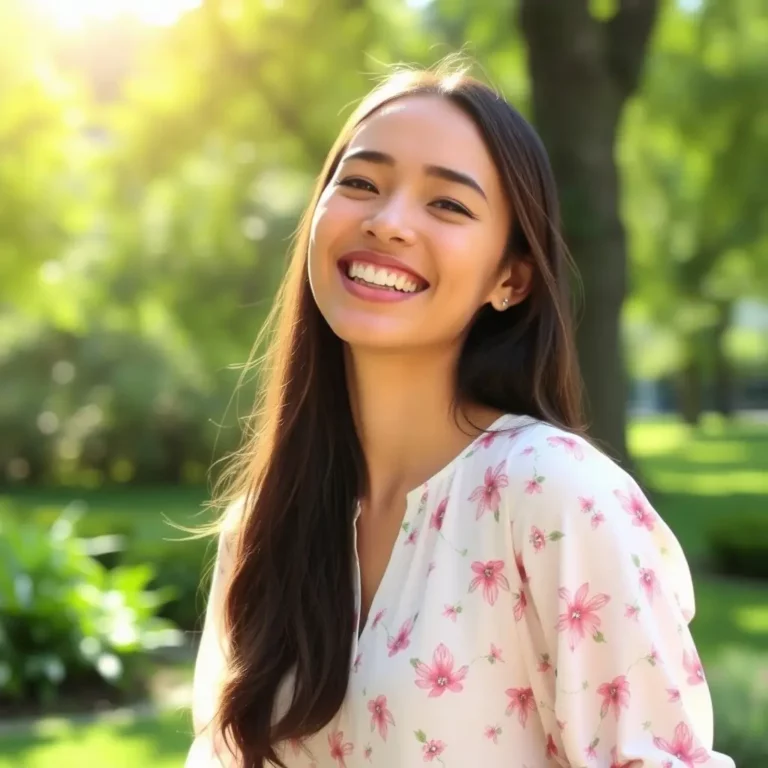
(752, 618)
(652, 438)
(723, 483)
(71, 14)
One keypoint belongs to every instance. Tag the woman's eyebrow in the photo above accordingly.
(449, 174)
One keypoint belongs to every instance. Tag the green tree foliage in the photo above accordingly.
(40, 156)
(694, 151)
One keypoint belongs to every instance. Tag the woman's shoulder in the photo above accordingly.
(531, 457)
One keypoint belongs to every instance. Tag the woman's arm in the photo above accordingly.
(604, 598)
(208, 749)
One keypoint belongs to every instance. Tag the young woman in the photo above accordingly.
(427, 561)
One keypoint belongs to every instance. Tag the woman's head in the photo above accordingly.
(415, 194)
(439, 188)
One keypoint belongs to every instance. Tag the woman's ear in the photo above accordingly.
(514, 285)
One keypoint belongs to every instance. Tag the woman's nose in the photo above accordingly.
(390, 223)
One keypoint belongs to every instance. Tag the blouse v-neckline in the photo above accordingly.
(415, 497)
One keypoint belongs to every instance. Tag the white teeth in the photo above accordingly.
(381, 277)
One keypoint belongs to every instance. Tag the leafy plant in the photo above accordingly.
(68, 621)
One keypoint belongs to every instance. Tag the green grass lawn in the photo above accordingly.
(160, 742)
(696, 477)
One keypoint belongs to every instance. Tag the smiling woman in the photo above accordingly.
(71, 14)
(423, 544)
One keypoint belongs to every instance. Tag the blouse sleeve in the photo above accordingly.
(209, 750)
(603, 601)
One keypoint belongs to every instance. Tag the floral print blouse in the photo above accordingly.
(534, 613)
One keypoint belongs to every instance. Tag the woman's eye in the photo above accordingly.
(355, 182)
(452, 206)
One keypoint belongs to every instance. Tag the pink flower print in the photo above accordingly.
(402, 639)
(451, 612)
(681, 747)
(368, 752)
(381, 717)
(537, 538)
(674, 695)
(339, 748)
(521, 567)
(591, 751)
(580, 614)
(521, 700)
(494, 655)
(533, 487)
(433, 749)
(412, 536)
(571, 446)
(635, 505)
(527, 451)
(653, 657)
(632, 611)
(615, 696)
(491, 577)
(649, 583)
(486, 441)
(521, 603)
(493, 732)
(693, 667)
(544, 664)
(596, 519)
(487, 495)
(587, 503)
(440, 676)
(551, 747)
(377, 618)
(356, 665)
(436, 521)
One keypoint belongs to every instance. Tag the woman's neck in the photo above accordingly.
(403, 410)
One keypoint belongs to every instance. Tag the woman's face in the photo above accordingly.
(408, 237)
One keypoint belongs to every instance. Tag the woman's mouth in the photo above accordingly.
(381, 278)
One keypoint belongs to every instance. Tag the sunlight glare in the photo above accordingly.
(71, 14)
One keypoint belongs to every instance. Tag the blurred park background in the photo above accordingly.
(154, 159)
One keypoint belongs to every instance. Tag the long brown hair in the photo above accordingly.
(289, 605)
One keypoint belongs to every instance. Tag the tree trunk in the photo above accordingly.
(689, 391)
(582, 72)
(723, 375)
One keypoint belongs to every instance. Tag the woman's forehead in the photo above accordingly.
(427, 129)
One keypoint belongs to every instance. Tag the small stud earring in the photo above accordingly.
(505, 302)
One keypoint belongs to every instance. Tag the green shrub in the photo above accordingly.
(65, 619)
(738, 545)
(739, 685)
(179, 565)
(182, 567)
